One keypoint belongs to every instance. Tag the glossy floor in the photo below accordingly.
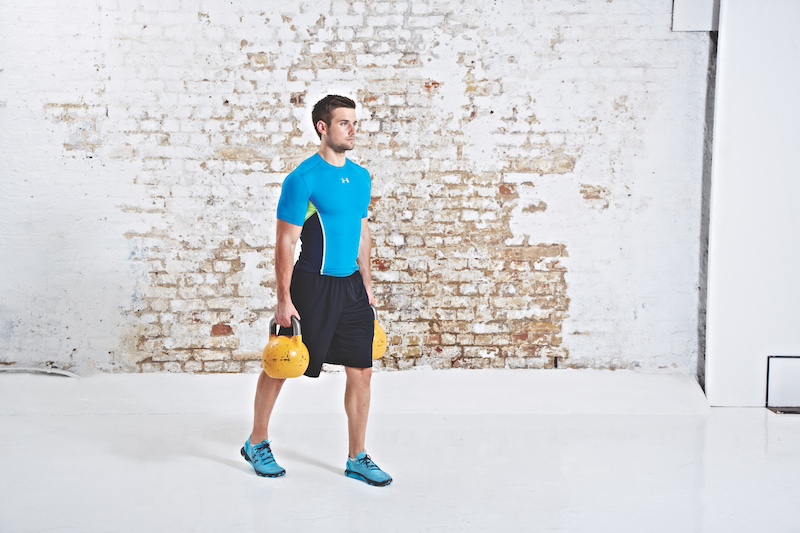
(469, 450)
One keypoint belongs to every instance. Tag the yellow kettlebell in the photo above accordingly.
(379, 339)
(285, 357)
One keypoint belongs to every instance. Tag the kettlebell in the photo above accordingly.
(379, 339)
(285, 357)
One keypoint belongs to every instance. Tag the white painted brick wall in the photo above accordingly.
(537, 177)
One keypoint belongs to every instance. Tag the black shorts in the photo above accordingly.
(336, 320)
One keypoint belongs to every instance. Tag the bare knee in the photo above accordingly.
(359, 377)
(266, 382)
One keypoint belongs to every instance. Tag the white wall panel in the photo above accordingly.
(695, 15)
(754, 249)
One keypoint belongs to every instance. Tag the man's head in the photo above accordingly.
(323, 110)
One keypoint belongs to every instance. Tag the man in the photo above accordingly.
(324, 202)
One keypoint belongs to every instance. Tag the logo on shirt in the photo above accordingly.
(345, 180)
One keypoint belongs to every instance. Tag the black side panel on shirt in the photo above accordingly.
(313, 245)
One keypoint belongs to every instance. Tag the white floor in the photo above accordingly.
(489, 451)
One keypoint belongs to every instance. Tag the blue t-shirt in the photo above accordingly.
(329, 203)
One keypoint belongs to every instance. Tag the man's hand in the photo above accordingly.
(284, 313)
(371, 297)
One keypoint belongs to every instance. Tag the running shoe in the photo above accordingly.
(260, 456)
(364, 469)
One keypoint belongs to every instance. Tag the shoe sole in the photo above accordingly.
(360, 477)
(280, 474)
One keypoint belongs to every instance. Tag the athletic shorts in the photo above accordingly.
(336, 320)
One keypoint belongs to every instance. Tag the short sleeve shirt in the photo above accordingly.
(329, 203)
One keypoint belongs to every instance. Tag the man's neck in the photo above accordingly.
(336, 159)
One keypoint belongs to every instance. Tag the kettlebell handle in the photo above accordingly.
(295, 327)
(374, 312)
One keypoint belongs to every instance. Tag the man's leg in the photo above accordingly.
(267, 392)
(256, 449)
(356, 405)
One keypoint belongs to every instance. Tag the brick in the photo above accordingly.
(252, 367)
(151, 367)
(193, 366)
(221, 330)
(214, 366)
(173, 367)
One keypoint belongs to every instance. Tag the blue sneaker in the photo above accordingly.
(260, 456)
(362, 468)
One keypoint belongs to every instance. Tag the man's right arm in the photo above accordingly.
(285, 243)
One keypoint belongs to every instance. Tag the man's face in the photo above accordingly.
(341, 134)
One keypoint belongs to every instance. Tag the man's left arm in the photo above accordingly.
(363, 261)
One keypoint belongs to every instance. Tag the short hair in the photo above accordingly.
(323, 110)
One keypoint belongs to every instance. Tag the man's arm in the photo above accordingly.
(285, 243)
(363, 261)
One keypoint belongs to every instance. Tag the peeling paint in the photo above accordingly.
(596, 196)
(555, 162)
(535, 208)
(241, 153)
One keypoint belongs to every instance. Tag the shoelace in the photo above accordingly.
(263, 452)
(367, 461)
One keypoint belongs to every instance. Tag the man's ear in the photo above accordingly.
(321, 127)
